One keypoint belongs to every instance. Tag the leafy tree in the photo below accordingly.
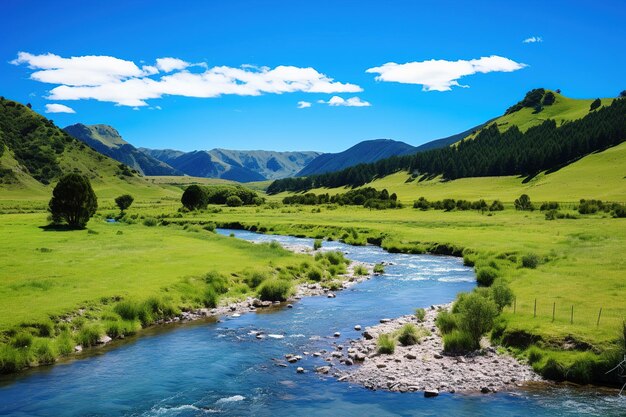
(477, 315)
(595, 104)
(73, 201)
(622, 94)
(124, 202)
(194, 197)
(234, 201)
(523, 203)
(549, 98)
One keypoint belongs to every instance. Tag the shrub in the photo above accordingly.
(234, 201)
(486, 275)
(194, 197)
(89, 335)
(420, 314)
(336, 258)
(360, 270)
(408, 335)
(530, 260)
(210, 297)
(534, 355)
(150, 222)
(317, 244)
(379, 269)
(448, 204)
(127, 309)
(218, 281)
(65, 344)
(315, 274)
(523, 203)
(386, 344)
(275, 289)
(549, 205)
(619, 211)
(595, 104)
(458, 342)
(209, 227)
(446, 322)
(477, 315)
(124, 201)
(502, 294)
(496, 206)
(421, 204)
(73, 201)
(22, 340)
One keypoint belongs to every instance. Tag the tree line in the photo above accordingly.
(491, 153)
(367, 197)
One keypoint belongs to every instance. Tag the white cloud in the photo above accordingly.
(58, 108)
(442, 75)
(533, 39)
(122, 82)
(171, 64)
(351, 102)
(304, 104)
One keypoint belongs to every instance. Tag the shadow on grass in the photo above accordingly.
(60, 228)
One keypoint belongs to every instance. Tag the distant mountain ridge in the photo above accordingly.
(363, 152)
(241, 166)
(106, 140)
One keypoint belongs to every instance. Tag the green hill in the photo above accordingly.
(34, 154)
(106, 140)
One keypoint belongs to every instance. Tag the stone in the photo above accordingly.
(385, 320)
(78, 348)
(331, 295)
(349, 362)
(430, 393)
(289, 306)
(337, 334)
(367, 335)
(410, 356)
(381, 365)
(485, 390)
(300, 370)
(438, 356)
(357, 327)
(322, 369)
(104, 339)
(292, 359)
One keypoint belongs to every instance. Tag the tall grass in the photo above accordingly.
(386, 344)
(275, 289)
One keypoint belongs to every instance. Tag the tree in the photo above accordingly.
(194, 197)
(523, 203)
(234, 201)
(73, 201)
(124, 202)
(595, 104)
(477, 315)
(622, 94)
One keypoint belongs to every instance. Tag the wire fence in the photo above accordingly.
(564, 313)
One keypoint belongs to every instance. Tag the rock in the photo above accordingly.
(336, 354)
(104, 339)
(438, 356)
(292, 359)
(337, 334)
(78, 348)
(485, 390)
(232, 308)
(381, 365)
(260, 336)
(429, 393)
(322, 369)
(349, 362)
(300, 370)
(236, 315)
(289, 306)
(331, 295)
(410, 356)
(360, 357)
(367, 335)
(317, 354)
(266, 303)
(385, 320)
(357, 328)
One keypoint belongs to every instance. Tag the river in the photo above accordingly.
(221, 368)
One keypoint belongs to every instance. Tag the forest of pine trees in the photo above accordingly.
(491, 153)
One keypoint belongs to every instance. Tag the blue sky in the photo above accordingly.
(241, 68)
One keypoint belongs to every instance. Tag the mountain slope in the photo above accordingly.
(107, 141)
(241, 166)
(361, 153)
(35, 153)
(450, 140)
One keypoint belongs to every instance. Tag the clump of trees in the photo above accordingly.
(449, 204)
(490, 153)
(198, 197)
(592, 206)
(523, 203)
(73, 201)
(367, 197)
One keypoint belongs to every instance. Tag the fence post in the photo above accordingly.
(553, 308)
(535, 309)
(599, 314)
(571, 321)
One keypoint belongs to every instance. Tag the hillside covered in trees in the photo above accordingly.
(492, 152)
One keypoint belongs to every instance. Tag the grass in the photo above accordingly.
(386, 344)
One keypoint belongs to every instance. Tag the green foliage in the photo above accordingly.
(549, 205)
(532, 99)
(210, 298)
(486, 275)
(386, 344)
(220, 283)
(420, 314)
(315, 274)
(89, 335)
(530, 260)
(317, 243)
(124, 201)
(22, 340)
(255, 278)
(549, 99)
(234, 201)
(360, 270)
(194, 197)
(496, 206)
(458, 342)
(408, 335)
(379, 269)
(275, 289)
(534, 355)
(595, 104)
(477, 314)
(523, 203)
(502, 294)
(367, 197)
(446, 322)
(150, 222)
(73, 201)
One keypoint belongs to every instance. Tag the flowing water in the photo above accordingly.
(221, 368)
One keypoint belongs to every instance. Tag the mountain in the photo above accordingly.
(542, 133)
(442, 143)
(107, 141)
(35, 153)
(241, 166)
(363, 152)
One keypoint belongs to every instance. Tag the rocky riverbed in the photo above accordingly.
(424, 367)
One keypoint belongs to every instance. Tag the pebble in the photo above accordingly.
(357, 327)
(300, 370)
